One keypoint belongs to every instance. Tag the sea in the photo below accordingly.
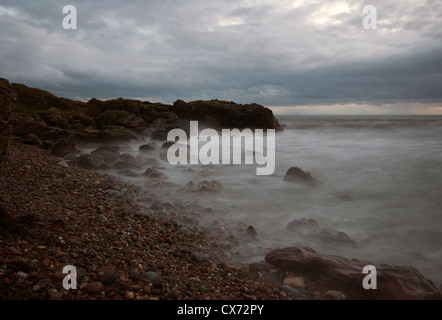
(380, 182)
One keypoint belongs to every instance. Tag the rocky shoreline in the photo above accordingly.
(56, 212)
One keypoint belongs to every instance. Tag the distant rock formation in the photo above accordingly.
(338, 273)
(8, 100)
(224, 114)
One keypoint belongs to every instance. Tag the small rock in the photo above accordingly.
(135, 275)
(294, 282)
(94, 287)
(152, 276)
(334, 295)
(107, 278)
(22, 275)
(130, 295)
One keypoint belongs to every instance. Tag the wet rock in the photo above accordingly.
(153, 162)
(116, 133)
(295, 174)
(251, 232)
(334, 295)
(346, 275)
(106, 154)
(204, 186)
(147, 148)
(310, 229)
(107, 278)
(294, 282)
(154, 173)
(88, 162)
(64, 146)
(94, 287)
(128, 161)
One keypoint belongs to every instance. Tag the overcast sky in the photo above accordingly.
(307, 56)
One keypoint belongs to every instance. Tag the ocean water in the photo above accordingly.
(389, 166)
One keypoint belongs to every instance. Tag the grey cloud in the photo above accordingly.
(168, 50)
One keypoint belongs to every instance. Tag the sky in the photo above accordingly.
(302, 57)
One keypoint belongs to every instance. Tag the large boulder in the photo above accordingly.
(224, 114)
(64, 146)
(339, 273)
(8, 100)
(295, 174)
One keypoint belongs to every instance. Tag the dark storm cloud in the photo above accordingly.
(271, 52)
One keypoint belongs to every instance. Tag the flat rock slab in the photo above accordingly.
(339, 273)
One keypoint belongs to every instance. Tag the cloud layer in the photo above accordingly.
(279, 53)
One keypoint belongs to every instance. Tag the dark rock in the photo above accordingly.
(107, 278)
(152, 276)
(252, 232)
(154, 173)
(64, 146)
(205, 186)
(346, 275)
(93, 287)
(121, 118)
(106, 154)
(311, 229)
(8, 100)
(160, 135)
(56, 118)
(224, 114)
(147, 148)
(135, 275)
(295, 174)
(128, 161)
(88, 162)
(153, 162)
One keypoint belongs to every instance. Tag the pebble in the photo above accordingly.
(93, 287)
(152, 276)
(130, 295)
(107, 278)
(294, 282)
(135, 275)
(335, 295)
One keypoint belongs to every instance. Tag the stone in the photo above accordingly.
(88, 162)
(128, 161)
(130, 295)
(152, 276)
(334, 295)
(121, 118)
(107, 278)
(154, 173)
(342, 274)
(106, 154)
(93, 287)
(294, 282)
(295, 174)
(135, 275)
(147, 148)
(204, 186)
(252, 232)
(64, 146)
(153, 162)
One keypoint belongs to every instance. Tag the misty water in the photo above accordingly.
(380, 183)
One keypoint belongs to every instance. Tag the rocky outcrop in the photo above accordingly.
(8, 100)
(224, 114)
(121, 118)
(342, 274)
(295, 174)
